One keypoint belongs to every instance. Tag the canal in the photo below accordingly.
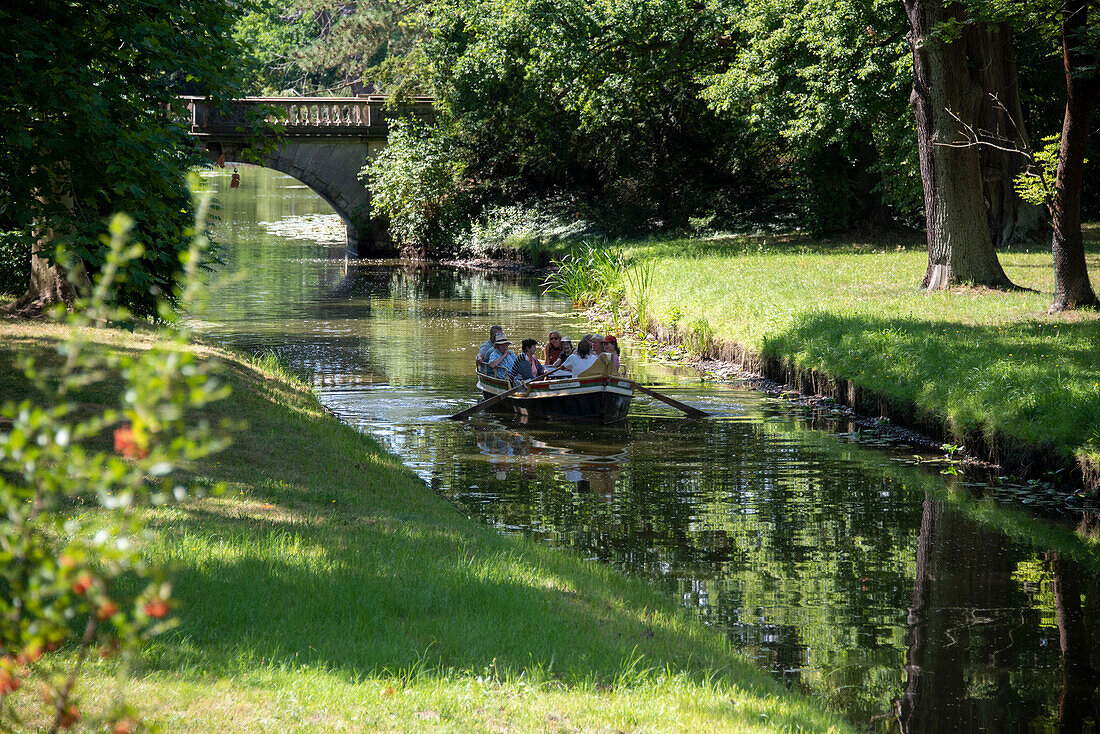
(890, 583)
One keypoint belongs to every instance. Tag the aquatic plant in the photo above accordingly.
(640, 279)
(699, 336)
(568, 278)
(589, 273)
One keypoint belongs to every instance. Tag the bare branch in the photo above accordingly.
(983, 138)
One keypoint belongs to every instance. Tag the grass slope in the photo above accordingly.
(330, 590)
(978, 361)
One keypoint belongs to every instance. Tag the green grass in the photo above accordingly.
(330, 590)
(979, 361)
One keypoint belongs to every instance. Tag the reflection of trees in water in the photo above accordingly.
(980, 658)
(970, 627)
(417, 284)
(809, 565)
(734, 521)
(1076, 705)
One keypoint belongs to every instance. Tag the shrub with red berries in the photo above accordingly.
(59, 571)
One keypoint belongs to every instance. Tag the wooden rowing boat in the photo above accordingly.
(599, 399)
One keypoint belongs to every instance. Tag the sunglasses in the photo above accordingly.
(555, 338)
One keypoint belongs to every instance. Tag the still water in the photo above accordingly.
(858, 571)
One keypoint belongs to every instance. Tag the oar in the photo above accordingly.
(490, 402)
(693, 412)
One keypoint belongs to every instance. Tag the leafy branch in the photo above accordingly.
(62, 572)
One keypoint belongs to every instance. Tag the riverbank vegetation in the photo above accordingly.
(329, 587)
(990, 367)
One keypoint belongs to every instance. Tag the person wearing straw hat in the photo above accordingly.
(502, 358)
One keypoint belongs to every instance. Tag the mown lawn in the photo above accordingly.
(330, 590)
(977, 360)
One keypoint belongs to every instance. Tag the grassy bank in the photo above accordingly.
(991, 367)
(330, 590)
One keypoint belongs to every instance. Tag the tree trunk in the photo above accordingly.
(1072, 288)
(1011, 219)
(944, 99)
(50, 283)
(1078, 677)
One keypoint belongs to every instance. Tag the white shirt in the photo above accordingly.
(576, 364)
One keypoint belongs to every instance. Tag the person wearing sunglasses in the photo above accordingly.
(553, 348)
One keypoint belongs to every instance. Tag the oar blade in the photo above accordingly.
(687, 409)
(487, 403)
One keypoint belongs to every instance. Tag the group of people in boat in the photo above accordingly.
(593, 353)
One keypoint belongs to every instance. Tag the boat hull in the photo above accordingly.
(597, 399)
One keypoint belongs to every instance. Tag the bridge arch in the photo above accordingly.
(323, 142)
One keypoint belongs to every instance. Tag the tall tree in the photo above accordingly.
(944, 100)
(595, 99)
(354, 35)
(999, 126)
(1081, 60)
(90, 125)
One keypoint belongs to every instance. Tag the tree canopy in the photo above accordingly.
(90, 124)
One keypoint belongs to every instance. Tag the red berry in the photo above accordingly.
(156, 608)
(82, 584)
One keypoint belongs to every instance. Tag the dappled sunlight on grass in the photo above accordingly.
(330, 589)
(978, 359)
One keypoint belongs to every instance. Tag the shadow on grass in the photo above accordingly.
(1033, 383)
(336, 556)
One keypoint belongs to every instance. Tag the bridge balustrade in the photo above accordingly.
(301, 116)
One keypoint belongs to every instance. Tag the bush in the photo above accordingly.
(416, 182)
(15, 262)
(76, 584)
(508, 231)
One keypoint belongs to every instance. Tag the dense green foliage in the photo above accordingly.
(310, 47)
(15, 261)
(600, 100)
(274, 36)
(89, 125)
(416, 182)
(832, 98)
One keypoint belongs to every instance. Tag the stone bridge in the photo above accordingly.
(321, 141)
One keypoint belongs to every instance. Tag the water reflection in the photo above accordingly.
(590, 462)
(907, 598)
